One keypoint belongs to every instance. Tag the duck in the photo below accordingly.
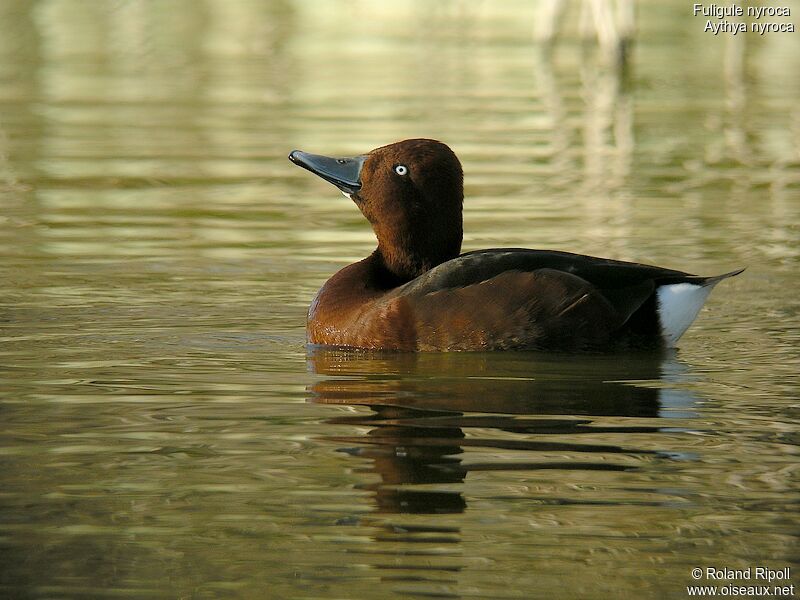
(416, 292)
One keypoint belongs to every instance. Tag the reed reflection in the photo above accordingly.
(511, 411)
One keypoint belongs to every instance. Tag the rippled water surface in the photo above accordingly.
(165, 432)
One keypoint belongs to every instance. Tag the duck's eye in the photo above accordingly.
(401, 169)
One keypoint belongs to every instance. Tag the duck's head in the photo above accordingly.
(410, 191)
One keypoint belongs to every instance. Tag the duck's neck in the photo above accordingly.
(400, 262)
(384, 273)
(369, 278)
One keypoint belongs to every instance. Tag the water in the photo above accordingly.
(167, 434)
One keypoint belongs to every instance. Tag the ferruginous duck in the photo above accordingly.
(416, 292)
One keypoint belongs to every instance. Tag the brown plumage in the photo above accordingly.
(415, 293)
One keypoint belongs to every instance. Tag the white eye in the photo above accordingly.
(401, 169)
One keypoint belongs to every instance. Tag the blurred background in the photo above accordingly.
(166, 432)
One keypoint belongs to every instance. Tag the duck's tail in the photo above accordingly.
(679, 303)
(712, 281)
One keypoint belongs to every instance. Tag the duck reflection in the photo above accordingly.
(541, 405)
(404, 453)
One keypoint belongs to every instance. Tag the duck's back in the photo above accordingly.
(504, 299)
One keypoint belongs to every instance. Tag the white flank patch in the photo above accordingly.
(346, 195)
(678, 305)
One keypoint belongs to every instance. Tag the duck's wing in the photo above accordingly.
(480, 265)
(517, 298)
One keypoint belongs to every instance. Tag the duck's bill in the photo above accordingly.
(344, 173)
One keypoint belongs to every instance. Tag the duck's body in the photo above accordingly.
(415, 293)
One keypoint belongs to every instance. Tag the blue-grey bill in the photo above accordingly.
(344, 173)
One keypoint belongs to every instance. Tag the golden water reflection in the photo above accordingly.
(426, 409)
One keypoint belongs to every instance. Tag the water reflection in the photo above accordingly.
(513, 411)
